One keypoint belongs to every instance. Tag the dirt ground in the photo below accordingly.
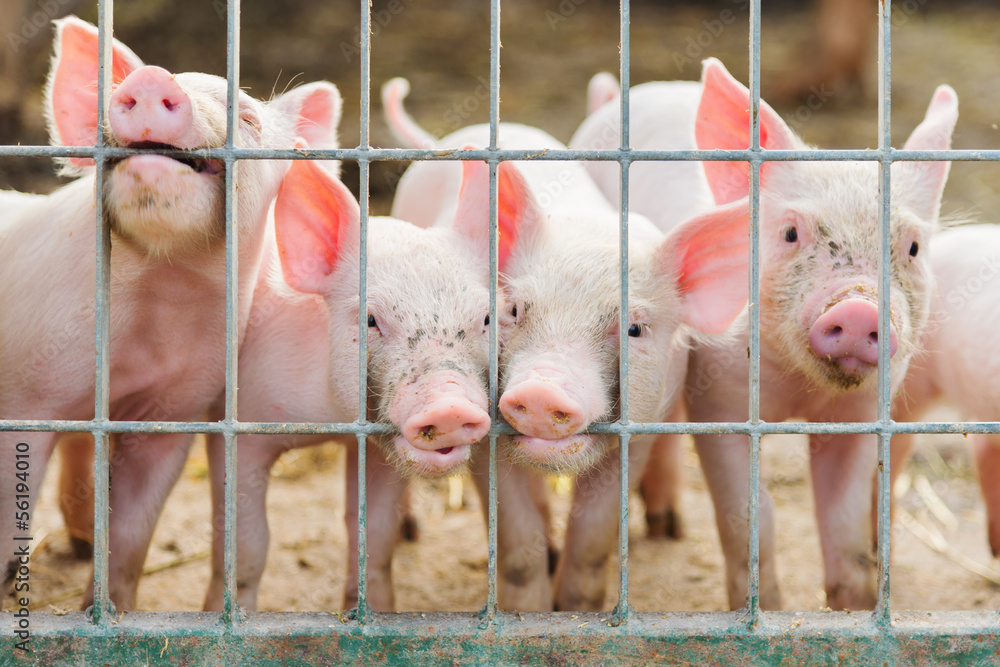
(442, 46)
(935, 556)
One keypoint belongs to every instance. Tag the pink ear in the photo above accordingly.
(723, 123)
(516, 207)
(316, 219)
(708, 256)
(317, 107)
(72, 86)
(925, 181)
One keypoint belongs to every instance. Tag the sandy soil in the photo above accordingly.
(442, 46)
(445, 569)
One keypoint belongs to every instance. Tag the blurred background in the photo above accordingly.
(819, 71)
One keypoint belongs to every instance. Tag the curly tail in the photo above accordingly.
(403, 127)
(602, 89)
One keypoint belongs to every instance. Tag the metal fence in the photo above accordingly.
(491, 636)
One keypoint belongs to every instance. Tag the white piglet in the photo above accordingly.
(428, 319)
(560, 346)
(818, 315)
(167, 282)
(959, 363)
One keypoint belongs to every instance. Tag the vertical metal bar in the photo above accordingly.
(621, 611)
(884, 439)
(489, 611)
(364, 610)
(753, 505)
(230, 612)
(102, 610)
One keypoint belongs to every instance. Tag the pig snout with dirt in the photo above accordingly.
(428, 343)
(167, 280)
(560, 348)
(959, 362)
(818, 321)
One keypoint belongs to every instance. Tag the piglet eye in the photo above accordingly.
(486, 322)
(914, 249)
(791, 235)
(372, 324)
(635, 330)
(513, 310)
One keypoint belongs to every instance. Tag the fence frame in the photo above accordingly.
(361, 636)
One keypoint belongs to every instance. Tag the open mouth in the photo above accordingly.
(196, 164)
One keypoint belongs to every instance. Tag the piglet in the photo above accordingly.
(560, 347)
(428, 344)
(818, 321)
(959, 362)
(167, 282)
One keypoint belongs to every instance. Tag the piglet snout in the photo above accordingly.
(446, 422)
(150, 105)
(847, 333)
(542, 409)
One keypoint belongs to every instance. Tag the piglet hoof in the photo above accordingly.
(666, 526)
(409, 530)
(81, 548)
(553, 561)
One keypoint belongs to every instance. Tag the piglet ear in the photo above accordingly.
(603, 88)
(315, 110)
(71, 91)
(708, 257)
(517, 212)
(924, 181)
(316, 224)
(723, 123)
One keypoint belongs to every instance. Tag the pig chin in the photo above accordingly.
(571, 454)
(848, 374)
(162, 206)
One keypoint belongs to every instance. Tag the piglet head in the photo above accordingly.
(820, 237)
(166, 205)
(562, 349)
(427, 314)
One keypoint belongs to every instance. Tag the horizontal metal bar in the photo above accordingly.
(294, 428)
(504, 154)
(801, 638)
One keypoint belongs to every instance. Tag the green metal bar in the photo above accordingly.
(231, 614)
(883, 485)
(102, 608)
(273, 639)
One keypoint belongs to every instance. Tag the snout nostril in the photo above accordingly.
(169, 105)
(836, 331)
(470, 426)
(560, 417)
(128, 104)
(873, 336)
(427, 433)
(520, 407)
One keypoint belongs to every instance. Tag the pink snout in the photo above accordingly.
(848, 334)
(542, 409)
(446, 422)
(149, 106)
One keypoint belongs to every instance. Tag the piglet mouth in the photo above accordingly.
(195, 164)
(432, 462)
